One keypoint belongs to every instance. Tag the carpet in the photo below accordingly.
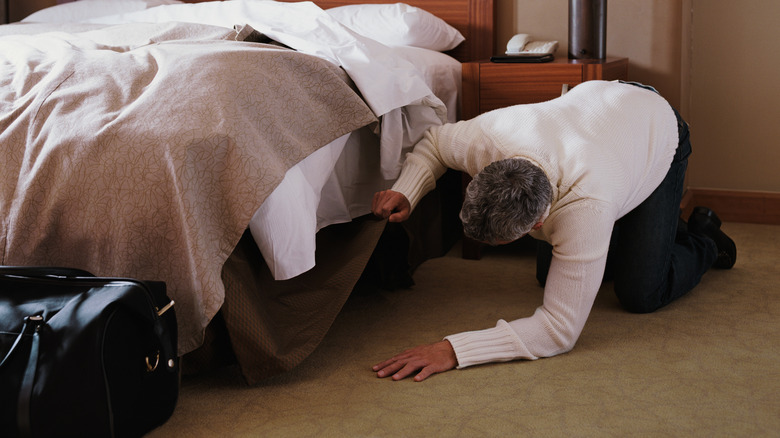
(707, 365)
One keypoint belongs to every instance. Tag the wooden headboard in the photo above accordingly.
(473, 18)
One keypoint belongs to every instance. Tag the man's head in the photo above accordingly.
(505, 200)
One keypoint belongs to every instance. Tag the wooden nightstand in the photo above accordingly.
(489, 85)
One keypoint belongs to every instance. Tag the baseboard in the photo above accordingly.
(735, 206)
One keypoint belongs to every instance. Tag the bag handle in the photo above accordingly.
(25, 392)
(17, 340)
(43, 271)
(31, 323)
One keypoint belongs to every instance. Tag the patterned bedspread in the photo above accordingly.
(148, 158)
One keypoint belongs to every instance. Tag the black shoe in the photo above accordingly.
(705, 222)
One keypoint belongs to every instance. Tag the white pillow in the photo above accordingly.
(83, 10)
(440, 71)
(399, 25)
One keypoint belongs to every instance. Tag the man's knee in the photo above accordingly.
(636, 299)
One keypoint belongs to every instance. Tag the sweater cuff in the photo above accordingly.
(414, 183)
(498, 344)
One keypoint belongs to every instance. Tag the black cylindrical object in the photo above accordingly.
(587, 29)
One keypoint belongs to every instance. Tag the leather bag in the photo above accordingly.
(83, 355)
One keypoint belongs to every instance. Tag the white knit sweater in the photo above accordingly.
(605, 146)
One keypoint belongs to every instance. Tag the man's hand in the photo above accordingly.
(428, 359)
(391, 205)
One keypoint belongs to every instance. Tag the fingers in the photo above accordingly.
(388, 370)
(402, 370)
(387, 367)
(424, 374)
(426, 360)
(390, 205)
(399, 216)
(397, 369)
(381, 205)
(375, 204)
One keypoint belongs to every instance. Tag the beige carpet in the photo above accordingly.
(708, 365)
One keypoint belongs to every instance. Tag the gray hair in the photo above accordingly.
(505, 200)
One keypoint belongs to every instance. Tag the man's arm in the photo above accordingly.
(580, 236)
(418, 176)
(422, 167)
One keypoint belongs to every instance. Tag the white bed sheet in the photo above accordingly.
(336, 184)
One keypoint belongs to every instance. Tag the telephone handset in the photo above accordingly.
(522, 43)
(522, 48)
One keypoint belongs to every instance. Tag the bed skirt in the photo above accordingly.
(268, 327)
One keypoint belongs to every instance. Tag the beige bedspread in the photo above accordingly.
(148, 159)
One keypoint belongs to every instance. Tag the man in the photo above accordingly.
(605, 162)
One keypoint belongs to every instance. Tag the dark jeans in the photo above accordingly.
(653, 259)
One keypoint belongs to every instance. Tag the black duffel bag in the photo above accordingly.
(84, 356)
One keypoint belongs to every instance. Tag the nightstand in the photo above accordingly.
(489, 85)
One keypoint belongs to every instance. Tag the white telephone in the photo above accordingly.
(523, 44)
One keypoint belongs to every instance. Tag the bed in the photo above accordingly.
(227, 148)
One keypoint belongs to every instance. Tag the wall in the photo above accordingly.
(735, 97)
(715, 60)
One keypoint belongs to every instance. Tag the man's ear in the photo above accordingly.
(537, 226)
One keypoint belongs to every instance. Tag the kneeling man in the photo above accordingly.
(604, 156)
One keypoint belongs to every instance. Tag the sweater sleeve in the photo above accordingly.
(498, 344)
(422, 167)
(580, 235)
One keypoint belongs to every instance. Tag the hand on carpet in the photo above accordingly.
(427, 359)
